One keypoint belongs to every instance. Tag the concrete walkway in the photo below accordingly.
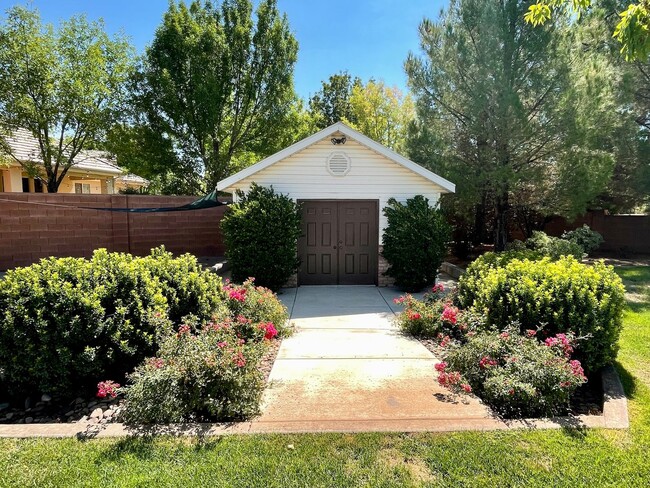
(347, 366)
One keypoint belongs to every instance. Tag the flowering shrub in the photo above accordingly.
(256, 304)
(434, 318)
(107, 389)
(210, 375)
(261, 233)
(414, 242)
(563, 296)
(516, 375)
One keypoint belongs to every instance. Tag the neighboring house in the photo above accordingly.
(344, 180)
(93, 171)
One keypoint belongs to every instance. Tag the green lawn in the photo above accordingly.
(546, 459)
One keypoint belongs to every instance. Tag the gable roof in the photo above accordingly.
(348, 132)
(25, 147)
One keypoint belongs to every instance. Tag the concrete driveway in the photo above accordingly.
(347, 368)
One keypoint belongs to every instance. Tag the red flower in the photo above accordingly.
(107, 389)
(466, 388)
(486, 362)
(413, 315)
(269, 330)
(576, 369)
(441, 366)
(438, 288)
(183, 329)
(239, 360)
(449, 314)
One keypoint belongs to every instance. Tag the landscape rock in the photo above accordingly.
(98, 413)
(3, 406)
(28, 403)
(29, 420)
(46, 398)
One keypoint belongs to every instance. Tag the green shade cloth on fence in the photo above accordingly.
(208, 201)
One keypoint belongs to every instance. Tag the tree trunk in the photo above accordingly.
(52, 184)
(501, 222)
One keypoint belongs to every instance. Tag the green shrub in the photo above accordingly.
(64, 323)
(209, 376)
(187, 287)
(561, 296)
(67, 323)
(517, 376)
(553, 247)
(414, 242)
(261, 234)
(589, 240)
(257, 304)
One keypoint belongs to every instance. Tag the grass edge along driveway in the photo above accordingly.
(517, 458)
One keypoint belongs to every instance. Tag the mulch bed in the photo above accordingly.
(586, 400)
(93, 410)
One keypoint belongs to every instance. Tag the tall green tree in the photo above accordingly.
(632, 30)
(381, 112)
(65, 86)
(497, 104)
(216, 84)
(332, 103)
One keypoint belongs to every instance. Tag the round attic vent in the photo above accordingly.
(338, 164)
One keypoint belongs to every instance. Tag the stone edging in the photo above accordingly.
(615, 416)
(452, 270)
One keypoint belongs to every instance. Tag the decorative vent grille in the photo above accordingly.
(338, 164)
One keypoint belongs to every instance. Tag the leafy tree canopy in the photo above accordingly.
(215, 88)
(65, 86)
(632, 30)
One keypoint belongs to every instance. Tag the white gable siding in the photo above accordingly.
(304, 176)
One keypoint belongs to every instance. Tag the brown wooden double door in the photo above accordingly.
(339, 245)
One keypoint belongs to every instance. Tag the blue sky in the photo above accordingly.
(368, 38)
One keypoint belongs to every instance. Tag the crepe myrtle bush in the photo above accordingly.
(261, 234)
(516, 374)
(414, 242)
(212, 374)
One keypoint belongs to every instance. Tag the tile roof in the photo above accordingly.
(25, 147)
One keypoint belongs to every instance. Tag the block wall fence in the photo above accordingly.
(623, 234)
(34, 226)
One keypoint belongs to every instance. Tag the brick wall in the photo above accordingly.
(383, 266)
(623, 234)
(33, 226)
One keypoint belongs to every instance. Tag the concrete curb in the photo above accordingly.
(452, 270)
(615, 416)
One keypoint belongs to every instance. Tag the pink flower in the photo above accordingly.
(413, 315)
(449, 379)
(445, 340)
(239, 360)
(182, 330)
(561, 341)
(107, 389)
(466, 388)
(576, 369)
(441, 366)
(269, 330)
(486, 362)
(156, 363)
(222, 344)
(531, 332)
(449, 314)
(505, 335)
(511, 391)
(438, 288)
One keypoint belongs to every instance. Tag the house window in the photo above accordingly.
(2, 181)
(38, 185)
(82, 187)
(25, 185)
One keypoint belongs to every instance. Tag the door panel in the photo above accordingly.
(358, 226)
(340, 242)
(317, 248)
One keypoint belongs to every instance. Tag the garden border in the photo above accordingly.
(614, 416)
